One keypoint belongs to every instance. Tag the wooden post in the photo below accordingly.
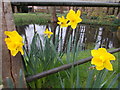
(10, 65)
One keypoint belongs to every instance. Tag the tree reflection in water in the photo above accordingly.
(88, 36)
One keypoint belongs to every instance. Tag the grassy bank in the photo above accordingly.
(43, 18)
(31, 18)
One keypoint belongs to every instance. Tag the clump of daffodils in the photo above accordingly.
(72, 19)
(14, 42)
(101, 59)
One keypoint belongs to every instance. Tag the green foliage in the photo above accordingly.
(100, 19)
(42, 57)
(117, 21)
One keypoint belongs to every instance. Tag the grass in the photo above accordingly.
(43, 18)
(31, 18)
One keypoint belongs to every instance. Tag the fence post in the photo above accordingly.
(10, 65)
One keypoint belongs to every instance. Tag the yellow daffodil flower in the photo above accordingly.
(48, 33)
(14, 42)
(62, 22)
(74, 18)
(101, 58)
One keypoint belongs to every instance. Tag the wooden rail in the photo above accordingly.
(61, 68)
(68, 3)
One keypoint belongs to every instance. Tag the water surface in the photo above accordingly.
(88, 36)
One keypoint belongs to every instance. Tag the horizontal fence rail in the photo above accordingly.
(68, 3)
(61, 68)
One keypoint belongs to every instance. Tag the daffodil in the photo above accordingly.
(101, 58)
(14, 42)
(62, 22)
(48, 33)
(74, 18)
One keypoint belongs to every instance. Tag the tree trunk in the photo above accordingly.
(47, 9)
(61, 9)
(32, 8)
(53, 11)
(15, 8)
(113, 11)
(107, 12)
(118, 15)
(10, 65)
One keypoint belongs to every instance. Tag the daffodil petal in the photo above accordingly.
(21, 50)
(94, 53)
(111, 57)
(13, 34)
(79, 20)
(102, 50)
(14, 52)
(99, 67)
(9, 34)
(58, 22)
(71, 11)
(59, 18)
(70, 15)
(78, 12)
(108, 65)
(63, 18)
(7, 40)
(74, 25)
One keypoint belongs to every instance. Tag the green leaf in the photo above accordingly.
(78, 79)
(61, 82)
(21, 81)
(113, 81)
(89, 79)
(107, 78)
(97, 81)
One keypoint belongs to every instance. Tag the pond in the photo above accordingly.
(88, 36)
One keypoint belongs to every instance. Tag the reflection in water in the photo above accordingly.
(99, 38)
(88, 36)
